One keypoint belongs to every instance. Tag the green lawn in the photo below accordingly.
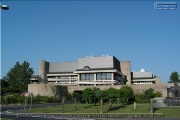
(81, 108)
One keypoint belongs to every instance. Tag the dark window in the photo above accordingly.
(87, 77)
(104, 76)
(98, 76)
(83, 76)
(91, 76)
(109, 76)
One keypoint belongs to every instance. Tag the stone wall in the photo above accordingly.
(47, 90)
(58, 91)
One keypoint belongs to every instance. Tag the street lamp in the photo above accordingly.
(5, 7)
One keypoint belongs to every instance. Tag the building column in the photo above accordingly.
(78, 79)
(94, 79)
(112, 78)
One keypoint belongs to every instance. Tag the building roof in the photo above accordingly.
(102, 62)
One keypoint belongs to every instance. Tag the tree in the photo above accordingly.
(19, 77)
(4, 86)
(149, 93)
(126, 93)
(174, 78)
(87, 95)
(112, 93)
(95, 97)
(102, 95)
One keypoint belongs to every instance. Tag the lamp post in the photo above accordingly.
(5, 7)
(25, 103)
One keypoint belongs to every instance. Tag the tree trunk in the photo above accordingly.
(110, 105)
(62, 105)
(86, 103)
(75, 104)
(151, 110)
(101, 110)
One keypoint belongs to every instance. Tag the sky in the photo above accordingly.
(59, 31)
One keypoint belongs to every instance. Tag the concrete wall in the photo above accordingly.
(125, 67)
(157, 80)
(43, 70)
(47, 89)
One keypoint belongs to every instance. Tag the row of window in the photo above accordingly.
(87, 77)
(99, 76)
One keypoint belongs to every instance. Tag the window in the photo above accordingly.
(98, 76)
(82, 76)
(87, 77)
(109, 76)
(91, 76)
(104, 76)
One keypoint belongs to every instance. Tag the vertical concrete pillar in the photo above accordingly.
(94, 79)
(78, 79)
(43, 70)
(112, 77)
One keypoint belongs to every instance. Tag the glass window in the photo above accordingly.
(109, 76)
(82, 76)
(103, 76)
(91, 76)
(87, 76)
(98, 76)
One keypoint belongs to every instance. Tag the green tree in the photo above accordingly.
(4, 86)
(112, 93)
(174, 78)
(149, 93)
(19, 77)
(77, 95)
(102, 95)
(87, 95)
(95, 97)
(158, 94)
(126, 94)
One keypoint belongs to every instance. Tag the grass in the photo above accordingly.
(81, 108)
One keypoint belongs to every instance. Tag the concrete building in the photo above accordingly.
(101, 72)
(88, 71)
(144, 77)
(91, 71)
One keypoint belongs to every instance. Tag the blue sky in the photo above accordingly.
(58, 31)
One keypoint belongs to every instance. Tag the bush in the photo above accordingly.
(17, 98)
(141, 98)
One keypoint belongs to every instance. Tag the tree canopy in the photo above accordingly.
(126, 93)
(87, 95)
(149, 93)
(174, 77)
(18, 78)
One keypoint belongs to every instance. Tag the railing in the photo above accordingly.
(84, 82)
(66, 78)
